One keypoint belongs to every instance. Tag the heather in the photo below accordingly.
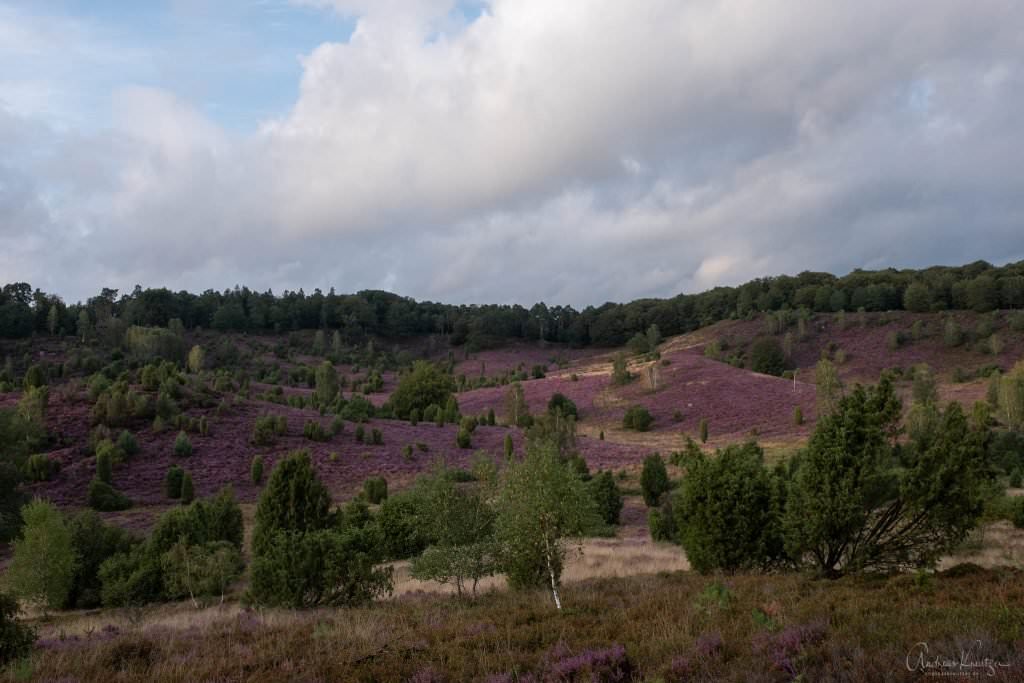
(672, 627)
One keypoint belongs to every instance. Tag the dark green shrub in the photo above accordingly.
(637, 418)
(360, 434)
(728, 511)
(127, 443)
(654, 479)
(376, 489)
(173, 481)
(798, 416)
(424, 386)
(376, 437)
(104, 463)
(559, 403)
(182, 445)
(40, 467)
(464, 439)
(256, 470)
(766, 356)
(314, 431)
(105, 498)
(188, 493)
(703, 430)
(266, 430)
(400, 520)
(294, 500)
(607, 497)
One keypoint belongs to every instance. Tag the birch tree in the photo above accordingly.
(543, 508)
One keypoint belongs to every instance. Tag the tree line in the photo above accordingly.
(978, 286)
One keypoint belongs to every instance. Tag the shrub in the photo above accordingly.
(607, 497)
(105, 498)
(16, 639)
(559, 403)
(256, 470)
(508, 446)
(360, 434)
(766, 356)
(182, 445)
(314, 431)
(294, 500)
(654, 479)
(187, 489)
(637, 418)
(173, 481)
(127, 443)
(104, 463)
(94, 542)
(620, 370)
(267, 428)
(703, 427)
(798, 416)
(40, 467)
(728, 511)
(376, 437)
(661, 523)
(464, 439)
(1015, 478)
(400, 520)
(424, 386)
(35, 376)
(376, 489)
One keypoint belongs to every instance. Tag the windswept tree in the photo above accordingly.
(543, 506)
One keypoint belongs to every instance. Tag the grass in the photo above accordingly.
(672, 626)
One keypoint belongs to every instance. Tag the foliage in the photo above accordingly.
(463, 439)
(105, 498)
(517, 412)
(400, 520)
(267, 428)
(829, 388)
(94, 543)
(422, 386)
(376, 490)
(859, 501)
(541, 506)
(562, 404)
(188, 492)
(460, 523)
(256, 470)
(294, 500)
(606, 496)
(654, 481)
(326, 383)
(200, 571)
(637, 418)
(728, 511)
(766, 356)
(16, 639)
(173, 481)
(42, 569)
(40, 467)
(182, 445)
(620, 370)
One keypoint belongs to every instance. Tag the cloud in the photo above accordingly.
(572, 152)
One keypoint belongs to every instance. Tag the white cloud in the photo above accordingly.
(566, 151)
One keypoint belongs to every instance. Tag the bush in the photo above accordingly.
(559, 403)
(294, 500)
(376, 489)
(267, 428)
(40, 467)
(256, 470)
(172, 482)
(637, 418)
(767, 357)
(376, 437)
(188, 493)
(105, 498)
(127, 443)
(182, 445)
(1015, 478)
(104, 463)
(400, 520)
(360, 434)
(314, 431)
(16, 639)
(94, 543)
(728, 511)
(798, 416)
(703, 430)
(508, 446)
(607, 497)
(464, 439)
(654, 479)
(661, 523)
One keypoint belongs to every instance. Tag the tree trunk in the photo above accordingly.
(551, 573)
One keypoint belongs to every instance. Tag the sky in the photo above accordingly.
(504, 151)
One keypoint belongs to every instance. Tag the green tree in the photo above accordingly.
(620, 370)
(859, 502)
(182, 445)
(326, 383)
(542, 505)
(188, 492)
(561, 403)
(507, 445)
(421, 387)
(1009, 395)
(767, 356)
(294, 500)
(828, 387)
(637, 418)
(517, 411)
(728, 511)
(461, 523)
(917, 298)
(42, 569)
(256, 470)
(606, 496)
(654, 481)
(173, 481)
